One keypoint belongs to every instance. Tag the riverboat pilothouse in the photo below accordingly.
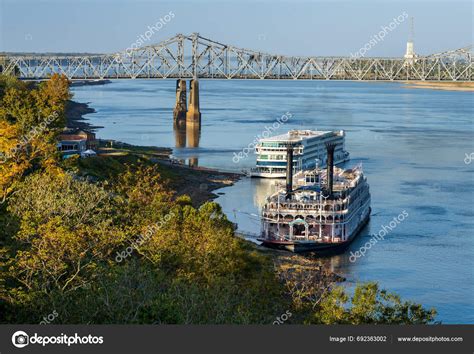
(319, 210)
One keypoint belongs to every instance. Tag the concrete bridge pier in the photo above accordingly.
(180, 108)
(187, 120)
(193, 115)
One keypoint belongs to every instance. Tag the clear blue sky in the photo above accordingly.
(280, 27)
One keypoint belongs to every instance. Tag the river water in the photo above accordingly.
(414, 145)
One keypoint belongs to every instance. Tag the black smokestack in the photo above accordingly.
(289, 171)
(330, 166)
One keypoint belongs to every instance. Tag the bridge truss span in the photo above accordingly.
(193, 56)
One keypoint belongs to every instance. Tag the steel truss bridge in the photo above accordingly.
(194, 56)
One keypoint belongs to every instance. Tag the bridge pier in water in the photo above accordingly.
(180, 108)
(187, 119)
(194, 114)
(191, 114)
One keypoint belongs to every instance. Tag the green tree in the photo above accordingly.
(369, 305)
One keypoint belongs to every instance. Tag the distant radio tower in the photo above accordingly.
(410, 53)
(411, 37)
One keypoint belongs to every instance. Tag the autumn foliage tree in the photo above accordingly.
(30, 121)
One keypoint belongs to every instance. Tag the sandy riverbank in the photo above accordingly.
(441, 85)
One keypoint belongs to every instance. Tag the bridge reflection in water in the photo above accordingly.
(187, 120)
(187, 135)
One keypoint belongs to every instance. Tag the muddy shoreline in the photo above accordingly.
(75, 112)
